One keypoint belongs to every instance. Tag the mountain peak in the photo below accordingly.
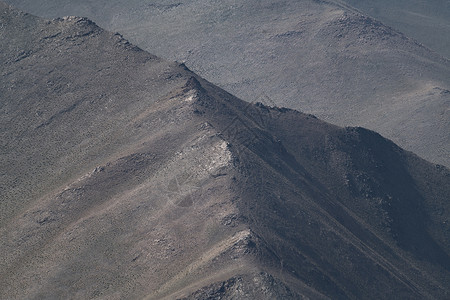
(154, 183)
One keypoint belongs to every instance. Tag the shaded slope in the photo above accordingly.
(145, 181)
(307, 184)
(316, 56)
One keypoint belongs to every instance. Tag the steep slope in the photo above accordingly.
(320, 57)
(127, 176)
(336, 206)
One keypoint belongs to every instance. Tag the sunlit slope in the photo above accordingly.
(324, 58)
(426, 21)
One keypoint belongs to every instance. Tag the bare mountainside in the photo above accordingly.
(127, 176)
(426, 21)
(320, 57)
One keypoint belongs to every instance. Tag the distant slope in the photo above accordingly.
(320, 57)
(127, 176)
(426, 21)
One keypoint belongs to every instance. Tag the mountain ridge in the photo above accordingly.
(324, 58)
(148, 181)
